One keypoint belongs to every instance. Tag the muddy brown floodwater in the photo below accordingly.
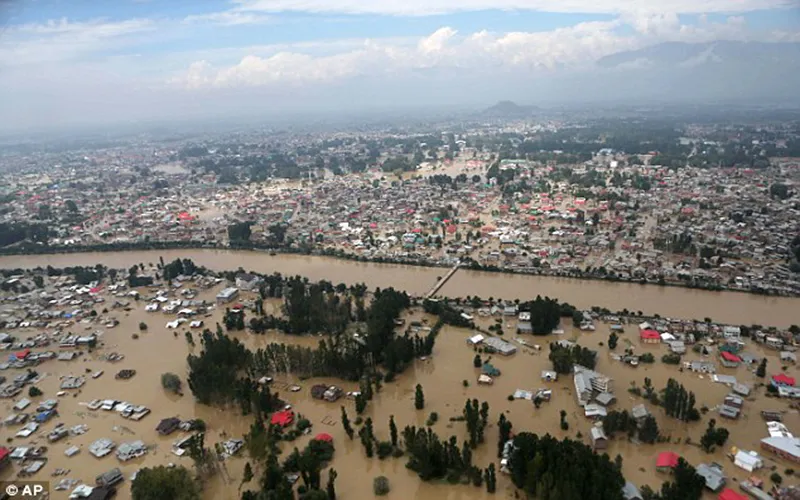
(727, 307)
(158, 350)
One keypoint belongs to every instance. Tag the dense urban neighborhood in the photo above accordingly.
(704, 206)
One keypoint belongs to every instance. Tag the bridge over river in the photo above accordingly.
(440, 283)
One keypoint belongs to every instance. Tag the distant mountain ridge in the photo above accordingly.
(720, 52)
(713, 71)
(509, 109)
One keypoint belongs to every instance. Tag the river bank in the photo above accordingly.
(339, 254)
(723, 306)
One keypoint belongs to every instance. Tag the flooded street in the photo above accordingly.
(728, 307)
(159, 350)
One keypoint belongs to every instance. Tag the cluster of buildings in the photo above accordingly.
(613, 215)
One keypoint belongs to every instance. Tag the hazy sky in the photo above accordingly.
(103, 61)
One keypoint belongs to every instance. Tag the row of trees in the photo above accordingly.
(178, 267)
(214, 373)
(447, 314)
(678, 402)
(563, 357)
(622, 421)
(549, 469)
(431, 458)
(546, 313)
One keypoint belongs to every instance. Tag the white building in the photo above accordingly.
(227, 295)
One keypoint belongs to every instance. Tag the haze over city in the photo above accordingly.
(88, 62)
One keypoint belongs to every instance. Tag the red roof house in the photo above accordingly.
(5, 456)
(649, 336)
(729, 494)
(666, 461)
(729, 359)
(783, 379)
(283, 418)
(20, 355)
(323, 436)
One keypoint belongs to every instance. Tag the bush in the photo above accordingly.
(142, 326)
(171, 382)
(432, 418)
(384, 449)
(647, 358)
(358, 421)
(671, 359)
(564, 425)
(303, 424)
(776, 478)
(465, 383)
(510, 397)
(34, 392)
(380, 486)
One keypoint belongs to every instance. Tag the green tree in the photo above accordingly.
(491, 479)
(380, 486)
(348, 429)
(761, 371)
(71, 206)
(780, 191)
(361, 403)
(171, 382)
(504, 431)
(476, 361)
(649, 431)
(34, 392)
(612, 341)
(393, 431)
(247, 476)
(163, 483)
(331, 487)
(38, 280)
(142, 326)
(714, 436)
(419, 398)
(686, 483)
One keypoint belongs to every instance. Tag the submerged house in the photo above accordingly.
(666, 461)
(489, 369)
(729, 359)
(499, 346)
(168, 425)
(129, 451)
(599, 438)
(712, 473)
(588, 382)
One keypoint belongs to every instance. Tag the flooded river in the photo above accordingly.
(158, 350)
(728, 307)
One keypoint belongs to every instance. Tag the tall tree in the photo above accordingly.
(348, 429)
(162, 483)
(761, 371)
(419, 398)
(393, 430)
(649, 431)
(331, 488)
